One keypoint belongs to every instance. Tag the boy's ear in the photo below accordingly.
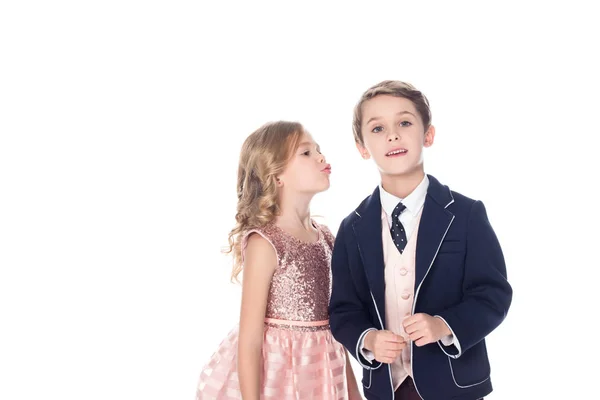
(364, 153)
(429, 136)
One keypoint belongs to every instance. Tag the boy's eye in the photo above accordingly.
(405, 123)
(377, 129)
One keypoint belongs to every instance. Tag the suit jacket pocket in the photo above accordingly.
(472, 368)
(452, 247)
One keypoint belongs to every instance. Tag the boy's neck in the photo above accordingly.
(402, 185)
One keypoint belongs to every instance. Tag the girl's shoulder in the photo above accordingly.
(271, 234)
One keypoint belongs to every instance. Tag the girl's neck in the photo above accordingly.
(295, 212)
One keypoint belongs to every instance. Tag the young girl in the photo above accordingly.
(283, 348)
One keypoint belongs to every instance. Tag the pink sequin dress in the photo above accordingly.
(301, 359)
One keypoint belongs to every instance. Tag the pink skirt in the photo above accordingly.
(296, 365)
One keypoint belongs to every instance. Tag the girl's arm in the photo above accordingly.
(353, 392)
(260, 262)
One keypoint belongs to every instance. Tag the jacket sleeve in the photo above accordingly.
(487, 295)
(348, 315)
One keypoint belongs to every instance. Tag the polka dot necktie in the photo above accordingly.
(397, 230)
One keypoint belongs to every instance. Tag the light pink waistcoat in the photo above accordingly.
(399, 292)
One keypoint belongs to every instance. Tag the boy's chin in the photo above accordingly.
(398, 172)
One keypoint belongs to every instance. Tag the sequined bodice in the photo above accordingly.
(301, 285)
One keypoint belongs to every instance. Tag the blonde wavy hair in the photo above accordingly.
(264, 155)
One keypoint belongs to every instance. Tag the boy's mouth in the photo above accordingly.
(396, 152)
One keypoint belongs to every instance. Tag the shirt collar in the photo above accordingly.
(413, 202)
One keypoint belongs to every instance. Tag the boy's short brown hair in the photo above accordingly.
(392, 88)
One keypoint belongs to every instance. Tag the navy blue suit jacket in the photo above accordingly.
(460, 275)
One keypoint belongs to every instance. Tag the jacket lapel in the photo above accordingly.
(367, 229)
(435, 222)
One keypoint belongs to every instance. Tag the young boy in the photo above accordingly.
(419, 278)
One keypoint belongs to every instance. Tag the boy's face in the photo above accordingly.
(394, 135)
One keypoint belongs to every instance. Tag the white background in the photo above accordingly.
(121, 124)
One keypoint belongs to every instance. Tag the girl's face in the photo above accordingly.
(306, 172)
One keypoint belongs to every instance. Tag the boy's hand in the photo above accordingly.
(386, 346)
(424, 329)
